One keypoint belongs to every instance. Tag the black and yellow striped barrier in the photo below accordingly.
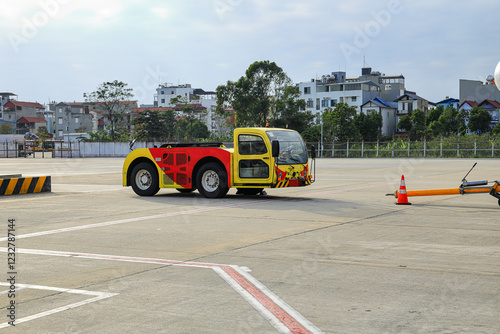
(24, 185)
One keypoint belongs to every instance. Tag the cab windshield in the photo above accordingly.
(292, 148)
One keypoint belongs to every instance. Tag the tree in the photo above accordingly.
(405, 123)
(154, 124)
(190, 128)
(418, 121)
(339, 122)
(479, 120)
(288, 111)
(449, 121)
(434, 115)
(369, 125)
(110, 97)
(43, 133)
(312, 134)
(255, 96)
(5, 129)
(496, 129)
(463, 117)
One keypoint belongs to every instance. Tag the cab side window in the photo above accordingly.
(251, 145)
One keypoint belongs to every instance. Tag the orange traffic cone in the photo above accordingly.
(402, 197)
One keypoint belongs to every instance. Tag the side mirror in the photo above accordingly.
(313, 152)
(132, 143)
(275, 147)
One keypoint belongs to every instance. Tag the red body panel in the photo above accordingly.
(178, 163)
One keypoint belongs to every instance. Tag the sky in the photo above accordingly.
(57, 50)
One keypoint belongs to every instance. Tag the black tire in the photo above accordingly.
(249, 191)
(211, 180)
(144, 179)
(186, 191)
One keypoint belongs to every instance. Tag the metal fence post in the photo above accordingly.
(347, 148)
(492, 149)
(362, 148)
(393, 148)
(441, 149)
(409, 143)
(425, 148)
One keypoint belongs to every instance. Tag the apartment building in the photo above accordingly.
(199, 99)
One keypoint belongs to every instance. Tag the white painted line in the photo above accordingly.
(254, 302)
(281, 315)
(290, 310)
(98, 296)
(7, 291)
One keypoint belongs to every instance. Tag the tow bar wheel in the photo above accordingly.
(212, 180)
(144, 179)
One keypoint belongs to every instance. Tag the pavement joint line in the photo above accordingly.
(281, 315)
(97, 297)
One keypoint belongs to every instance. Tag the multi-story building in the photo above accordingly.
(409, 102)
(72, 118)
(199, 99)
(12, 111)
(370, 92)
(333, 88)
(82, 117)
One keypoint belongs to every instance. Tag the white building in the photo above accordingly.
(331, 89)
(387, 110)
(192, 96)
(372, 91)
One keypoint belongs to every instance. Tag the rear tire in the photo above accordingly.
(211, 180)
(144, 179)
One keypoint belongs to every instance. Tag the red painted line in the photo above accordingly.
(286, 319)
(278, 312)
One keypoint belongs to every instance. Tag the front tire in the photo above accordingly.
(211, 180)
(144, 179)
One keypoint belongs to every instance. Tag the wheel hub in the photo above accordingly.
(210, 180)
(143, 179)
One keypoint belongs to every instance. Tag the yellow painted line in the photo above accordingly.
(39, 184)
(11, 186)
(26, 185)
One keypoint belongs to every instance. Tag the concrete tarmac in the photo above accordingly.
(334, 257)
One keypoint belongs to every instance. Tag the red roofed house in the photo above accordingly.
(493, 108)
(13, 110)
(30, 124)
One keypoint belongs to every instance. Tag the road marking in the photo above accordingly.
(98, 296)
(281, 315)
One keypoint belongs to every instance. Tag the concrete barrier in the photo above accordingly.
(24, 185)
